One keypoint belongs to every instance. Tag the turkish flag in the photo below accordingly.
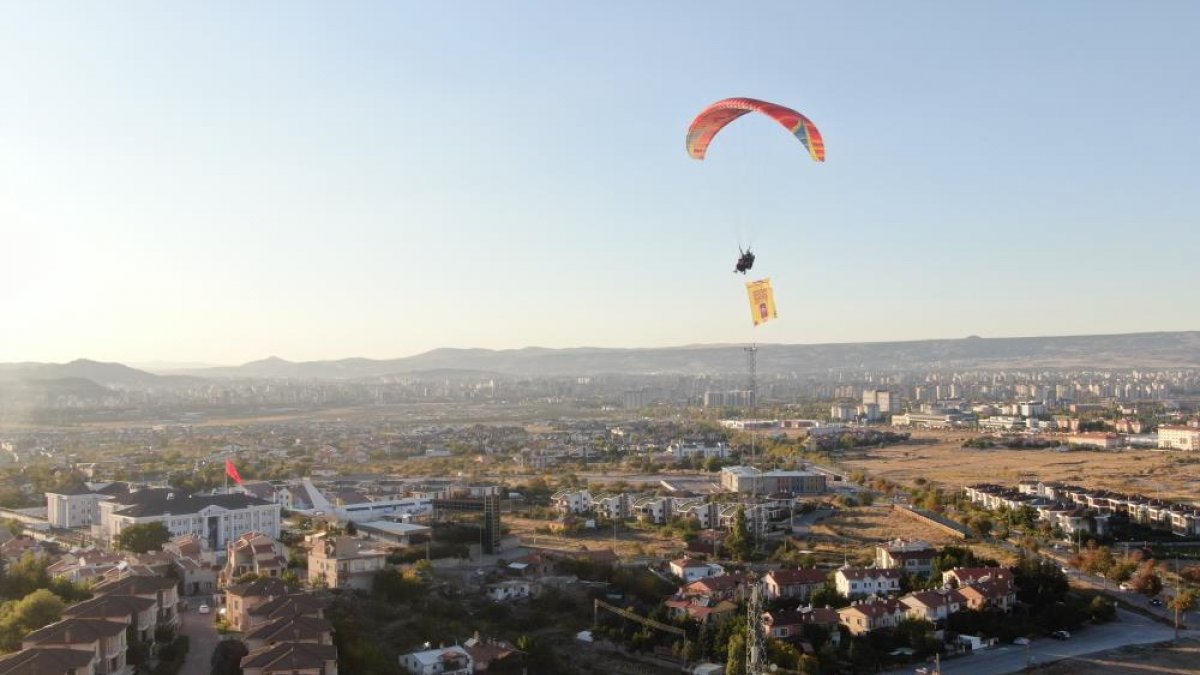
(232, 472)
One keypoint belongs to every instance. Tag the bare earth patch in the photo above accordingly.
(1181, 658)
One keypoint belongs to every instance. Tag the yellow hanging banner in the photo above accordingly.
(762, 300)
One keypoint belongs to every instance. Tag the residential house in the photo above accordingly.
(104, 639)
(291, 658)
(703, 609)
(572, 501)
(510, 589)
(783, 625)
(794, 584)
(253, 553)
(444, 661)
(789, 625)
(289, 629)
(724, 587)
(997, 594)
(868, 615)
(856, 581)
(690, 569)
(297, 604)
(345, 562)
(485, 652)
(961, 576)
(241, 598)
(15, 548)
(48, 661)
(84, 567)
(139, 615)
(933, 606)
(911, 557)
(163, 591)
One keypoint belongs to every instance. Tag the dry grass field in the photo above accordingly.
(940, 458)
(853, 533)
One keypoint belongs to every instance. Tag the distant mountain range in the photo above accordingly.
(103, 374)
(1137, 350)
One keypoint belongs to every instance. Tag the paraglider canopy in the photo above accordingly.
(716, 116)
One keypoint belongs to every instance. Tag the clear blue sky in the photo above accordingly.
(222, 181)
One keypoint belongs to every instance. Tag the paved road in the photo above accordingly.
(1131, 629)
(203, 638)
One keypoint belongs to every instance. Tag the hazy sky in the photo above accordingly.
(222, 181)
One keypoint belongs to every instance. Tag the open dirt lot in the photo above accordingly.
(940, 458)
(1142, 660)
(852, 533)
(630, 542)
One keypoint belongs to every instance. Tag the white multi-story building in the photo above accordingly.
(216, 519)
(80, 506)
(851, 581)
(572, 501)
(1179, 438)
(695, 450)
(746, 479)
(886, 401)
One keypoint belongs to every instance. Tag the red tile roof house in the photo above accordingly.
(795, 584)
(701, 608)
(960, 576)
(725, 587)
(868, 615)
(933, 606)
(997, 594)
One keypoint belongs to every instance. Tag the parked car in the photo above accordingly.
(1157, 602)
(1060, 635)
(1021, 641)
(1124, 586)
(204, 609)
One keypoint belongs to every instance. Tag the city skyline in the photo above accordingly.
(222, 183)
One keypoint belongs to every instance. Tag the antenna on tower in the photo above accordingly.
(756, 648)
(752, 371)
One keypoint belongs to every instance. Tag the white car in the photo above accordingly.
(203, 609)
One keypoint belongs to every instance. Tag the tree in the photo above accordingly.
(18, 617)
(981, 525)
(143, 537)
(1102, 610)
(1147, 581)
(735, 663)
(738, 541)
(227, 657)
(1183, 602)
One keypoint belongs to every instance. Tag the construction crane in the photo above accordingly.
(626, 614)
(632, 616)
